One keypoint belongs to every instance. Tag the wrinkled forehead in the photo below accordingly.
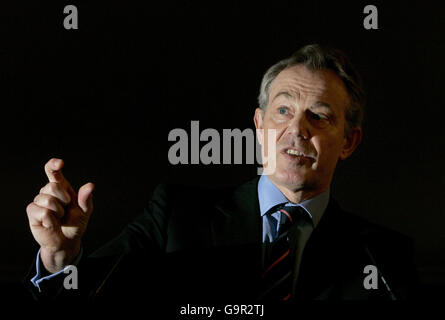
(301, 83)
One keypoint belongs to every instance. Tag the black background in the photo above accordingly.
(105, 96)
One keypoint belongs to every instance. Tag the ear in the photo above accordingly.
(258, 119)
(352, 140)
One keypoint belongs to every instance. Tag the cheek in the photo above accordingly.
(328, 149)
(275, 134)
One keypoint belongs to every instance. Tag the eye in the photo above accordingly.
(283, 110)
(318, 117)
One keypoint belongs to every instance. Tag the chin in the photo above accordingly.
(290, 179)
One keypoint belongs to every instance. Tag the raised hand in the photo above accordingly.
(58, 217)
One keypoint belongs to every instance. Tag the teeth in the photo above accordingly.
(294, 152)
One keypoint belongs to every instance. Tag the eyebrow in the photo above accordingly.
(317, 104)
(285, 94)
(321, 104)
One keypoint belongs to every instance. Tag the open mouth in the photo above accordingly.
(293, 153)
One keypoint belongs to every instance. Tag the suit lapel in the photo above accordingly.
(324, 255)
(236, 233)
(238, 220)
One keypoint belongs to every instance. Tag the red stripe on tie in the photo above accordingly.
(287, 214)
(275, 263)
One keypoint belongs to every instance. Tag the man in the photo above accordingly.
(280, 237)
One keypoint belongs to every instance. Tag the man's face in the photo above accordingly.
(307, 110)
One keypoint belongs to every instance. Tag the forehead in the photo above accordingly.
(303, 83)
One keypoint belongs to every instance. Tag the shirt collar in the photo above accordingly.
(270, 196)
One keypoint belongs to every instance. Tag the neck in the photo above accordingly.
(299, 193)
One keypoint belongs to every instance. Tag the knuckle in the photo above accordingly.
(29, 208)
(34, 212)
(45, 213)
(53, 204)
(54, 189)
(47, 164)
(47, 201)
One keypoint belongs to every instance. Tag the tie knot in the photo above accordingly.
(291, 215)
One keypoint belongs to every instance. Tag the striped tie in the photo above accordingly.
(280, 259)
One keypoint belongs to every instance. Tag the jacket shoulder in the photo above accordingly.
(171, 195)
(371, 232)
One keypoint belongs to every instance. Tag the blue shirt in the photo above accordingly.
(38, 279)
(270, 196)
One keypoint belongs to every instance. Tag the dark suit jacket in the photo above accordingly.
(194, 245)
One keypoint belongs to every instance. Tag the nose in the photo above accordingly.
(299, 126)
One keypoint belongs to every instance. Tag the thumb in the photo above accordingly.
(85, 197)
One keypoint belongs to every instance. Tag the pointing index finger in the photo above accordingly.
(53, 170)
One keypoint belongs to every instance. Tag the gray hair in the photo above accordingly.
(317, 57)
